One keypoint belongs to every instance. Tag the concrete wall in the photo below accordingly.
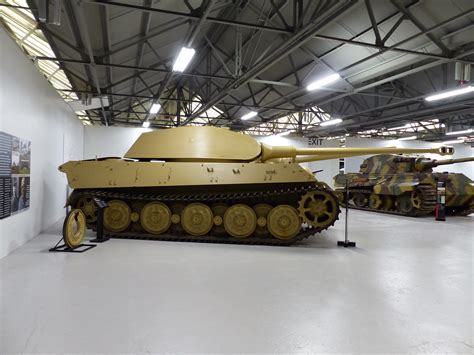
(31, 109)
(115, 141)
(461, 151)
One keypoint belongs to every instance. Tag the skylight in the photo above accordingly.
(22, 26)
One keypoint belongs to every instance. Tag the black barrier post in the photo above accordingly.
(440, 209)
(346, 242)
(101, 205)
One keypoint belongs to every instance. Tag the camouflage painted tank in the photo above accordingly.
(207, 184)
(406, 185)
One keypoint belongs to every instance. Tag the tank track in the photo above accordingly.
(466, 211)
(427, 207)
(219, 197)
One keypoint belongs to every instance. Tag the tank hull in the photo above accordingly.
(120, 173)
(272, 203)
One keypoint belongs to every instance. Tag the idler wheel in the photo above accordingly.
(240, 221)
(375, 201)
(74, 228)
(262, 210)
(318, 208)
(155, 217)
(117, 216)
(197, 219)
(284, 222)
(88, 207)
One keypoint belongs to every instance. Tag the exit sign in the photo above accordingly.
(315, 141)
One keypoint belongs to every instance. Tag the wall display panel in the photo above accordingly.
(15, 169)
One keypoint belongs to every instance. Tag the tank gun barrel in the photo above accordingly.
(314, 154)
(424, 165)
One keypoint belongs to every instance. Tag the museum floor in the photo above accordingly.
(408, 287)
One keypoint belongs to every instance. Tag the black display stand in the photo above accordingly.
(440, 209)
(65, 249)
(346, 243)
(101, 205)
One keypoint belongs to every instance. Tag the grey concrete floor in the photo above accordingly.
(406, 288)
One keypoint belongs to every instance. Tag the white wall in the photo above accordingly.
(115, 141)
(109, 141)
(461, 151)
(31, 109)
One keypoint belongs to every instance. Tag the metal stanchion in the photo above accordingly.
(346, 243)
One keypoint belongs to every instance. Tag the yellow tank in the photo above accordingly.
(210, 184)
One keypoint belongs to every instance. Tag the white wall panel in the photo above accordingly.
(31, 109)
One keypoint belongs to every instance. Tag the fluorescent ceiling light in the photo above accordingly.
(331, 122)
(453, 133)
(451, 93)
(455, 141)
(184, 57)
(155, 108)
(410, 138)
(408, 125)
(323, 82)
(146, 124)
(249, 115)
(286, 133)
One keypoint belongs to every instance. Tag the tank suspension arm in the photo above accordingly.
(274, 152)
(424, 165)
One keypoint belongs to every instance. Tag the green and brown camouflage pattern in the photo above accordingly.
(395, 175)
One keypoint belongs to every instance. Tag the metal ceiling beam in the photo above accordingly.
(188, 42)
(320, 59)
(84, 34)
(144, 28)
(420, 26)
(132, 67)
(441, 111)
(104, 18)
(190, 16)
(297, 40)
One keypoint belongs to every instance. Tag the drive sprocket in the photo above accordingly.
(318, 209)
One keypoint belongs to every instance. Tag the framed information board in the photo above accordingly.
(15, 168)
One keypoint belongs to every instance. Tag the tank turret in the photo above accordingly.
(406, 185)
(210, 184)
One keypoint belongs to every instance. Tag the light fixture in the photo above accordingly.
(454, 141)
(146, 124)
(454, 133)
(155, 108)
(249, 115)
(451, 93)
(331, 122)
(184, 57)
(410, 138)
(284, 133)
(322, 82)
(408, 125)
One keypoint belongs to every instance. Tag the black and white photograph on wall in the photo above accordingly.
(15, 159)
